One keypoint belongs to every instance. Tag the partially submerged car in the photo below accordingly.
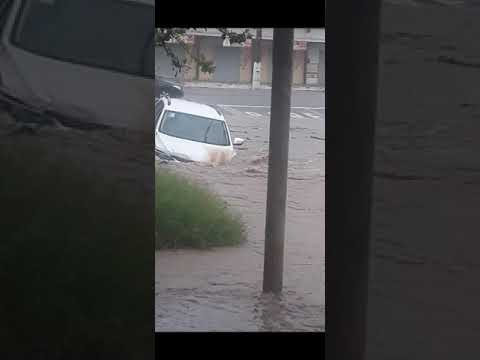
(170, 86)
(190, 131)
(61, 58)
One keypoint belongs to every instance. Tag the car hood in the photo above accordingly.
(160, 146)
(185, 150)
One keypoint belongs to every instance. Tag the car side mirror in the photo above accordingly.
(238, 141)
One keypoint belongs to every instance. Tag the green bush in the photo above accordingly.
(189, 216)
(76, 258)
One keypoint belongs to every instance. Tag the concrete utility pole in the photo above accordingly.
(257, 62)
(278, 159)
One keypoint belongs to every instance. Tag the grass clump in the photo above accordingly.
(189, 216)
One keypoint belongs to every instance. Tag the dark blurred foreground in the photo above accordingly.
(76, 183)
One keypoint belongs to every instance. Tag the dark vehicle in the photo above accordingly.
(168, 85)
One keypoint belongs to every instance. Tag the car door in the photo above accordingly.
(159, 108)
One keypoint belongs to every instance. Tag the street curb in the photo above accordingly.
(212, 85)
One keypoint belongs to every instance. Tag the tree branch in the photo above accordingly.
(164, 37)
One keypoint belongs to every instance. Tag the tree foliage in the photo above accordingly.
(166, 37)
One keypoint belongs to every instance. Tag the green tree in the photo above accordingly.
(164, 37)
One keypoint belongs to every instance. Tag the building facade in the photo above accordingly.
(234, 62)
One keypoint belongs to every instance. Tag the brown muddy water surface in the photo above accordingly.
(424, 292)
(220, 289)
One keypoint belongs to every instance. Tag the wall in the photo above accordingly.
(321, 75)
(266, 69)
(190, 71)
(206, 47)
(315, 34)
(298, 76)
(315, 64)
(246, 65)
(298, 67)
(209, 46)
(163, 65)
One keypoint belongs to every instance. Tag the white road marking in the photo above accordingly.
(304, 115)
(312, 115)
(232, 111)
(251, 113)
(296, 116)
(268, 107)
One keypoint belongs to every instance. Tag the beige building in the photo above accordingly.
(234, 63)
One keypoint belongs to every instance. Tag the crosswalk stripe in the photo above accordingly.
(268, 107)
(296, 116)
(312, 115)
(251, 113)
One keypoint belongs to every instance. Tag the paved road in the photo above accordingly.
(256, 103)
(300, 98)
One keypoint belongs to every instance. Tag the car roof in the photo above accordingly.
(194, 108)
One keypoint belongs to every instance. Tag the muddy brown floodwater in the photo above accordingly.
(220, 289)
(424, 287)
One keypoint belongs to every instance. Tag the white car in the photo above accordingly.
(190, 131)
(61, 57)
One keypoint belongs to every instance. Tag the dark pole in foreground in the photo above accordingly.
(278, 159)
(351, 108)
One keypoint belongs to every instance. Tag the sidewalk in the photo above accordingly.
(216, 85)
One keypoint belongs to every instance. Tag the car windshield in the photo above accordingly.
(194, 128)
(57, 29)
